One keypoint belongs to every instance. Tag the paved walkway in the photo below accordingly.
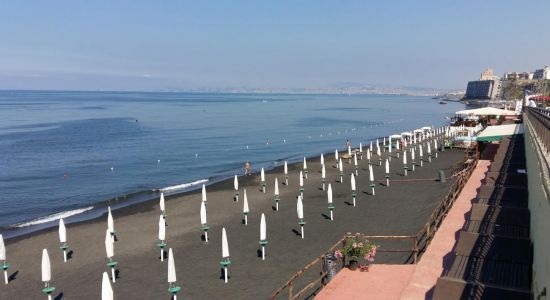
(411, 281)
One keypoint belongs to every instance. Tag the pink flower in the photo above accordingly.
(338, 254)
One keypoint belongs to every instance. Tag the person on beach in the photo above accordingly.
(348, 144)
(247, 168)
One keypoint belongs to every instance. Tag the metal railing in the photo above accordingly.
(537, 123)
(420, 241)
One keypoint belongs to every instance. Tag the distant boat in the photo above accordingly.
(442, 102)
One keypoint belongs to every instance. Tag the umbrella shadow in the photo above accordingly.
(70, 254)
(13, 276)
(325, 216)
(59, 296)
(203, 237)
(259, 253)
(222, 277)
(349, 204)
(117, 274)
(296, 232)
(164, 254)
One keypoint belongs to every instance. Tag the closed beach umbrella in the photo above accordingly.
(323, 176)
(262, 176)
(4, 265)
(360, 147)
(341, 170)
(106, 289)
(161, 203)
(405, 168)
(110, 251)
(46, 267)
(162, 237)
(305, 168)
(420, 154)
(204, 225)
(387, 172)
(63, 238)
(300, 211)
(236, 187)
(172, 275)
(110, 222)
(435, 147)
(245, 208)
(429, 150)
(371, 178)
(204, 193)
(349, 151)
(276, 194)
(353, 194)
(413, 156)
(322, 159)
(286, 173)
(330, 204)
(355, 164)
(263, 235)
(225, 254)
(368, 155)
(336, 155)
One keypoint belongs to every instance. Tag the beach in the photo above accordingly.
(401, 209)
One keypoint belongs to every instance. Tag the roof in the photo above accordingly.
(495, 133)
(486, 111)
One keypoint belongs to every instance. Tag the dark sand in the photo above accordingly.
(401, 209)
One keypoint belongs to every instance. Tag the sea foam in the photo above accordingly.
(54, 217)
(183, 186)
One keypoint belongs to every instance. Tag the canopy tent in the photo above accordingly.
(426, 128)
(395, 136)
(496, 133)
(406, 133)
(486, 111)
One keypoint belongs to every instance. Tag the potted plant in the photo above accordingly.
(356, 247)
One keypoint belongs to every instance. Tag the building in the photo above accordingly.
(487, 74)
(483, 89)
(543, 73)
(518, 76)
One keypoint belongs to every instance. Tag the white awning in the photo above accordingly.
(486, 111)
(495, 133)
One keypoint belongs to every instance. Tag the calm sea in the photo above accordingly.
(63, 153)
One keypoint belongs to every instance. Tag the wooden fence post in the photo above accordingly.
(290, 287)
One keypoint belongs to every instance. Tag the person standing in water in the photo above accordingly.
(247, 168)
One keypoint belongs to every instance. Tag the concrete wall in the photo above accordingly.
(539, 205)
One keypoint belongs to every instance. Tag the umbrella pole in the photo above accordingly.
(65, 255)
(225, 271)
(161, 254)
(49, 297)
(113, 274)
(206, 236)
(277, 206)
(245, 220)
(6, 276)
(305, 174)
(323, 185)
(236, 199)
(353, 201)
(405, 171)
(387, 182)
(263, 252)
(413, 166)
(373, 191)
(302, 228)
(331, 216)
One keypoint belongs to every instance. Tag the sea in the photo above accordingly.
(67, 154)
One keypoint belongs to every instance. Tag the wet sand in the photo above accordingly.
(401, 209)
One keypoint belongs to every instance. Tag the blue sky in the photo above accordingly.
(141, 45)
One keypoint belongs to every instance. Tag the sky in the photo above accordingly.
(155, 45)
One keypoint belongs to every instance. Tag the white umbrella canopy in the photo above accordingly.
(349, 150)
(340, 166)
(203, 213)
(336, 154)
(413, 153)
(329, 193)
(162, 229)
(161, 202)
(110, 222)
(368, 154)
(378, 150)
(171, 267)
(371, 175)
(301, 179)
(404, 157)
(286, 168)
(245, 203)
(387, 168)
(429, 148)
(236, 183)
(106, 289)
(225, 245)
(322, 159)
(276, 191)
(109, 247)
(395, 136)
(355, 160)
(263, 232)
(323, 172)
(305, 164)
(300, 208)
(262, 175)
(2, 249)
(360, 147)
(352, 182)
(46, 267)
(204, 193)
(62, 232)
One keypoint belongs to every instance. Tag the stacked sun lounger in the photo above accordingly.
(492, 257)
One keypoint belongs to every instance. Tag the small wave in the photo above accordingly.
(182, 186)
(53, 217)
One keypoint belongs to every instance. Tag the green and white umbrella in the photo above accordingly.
(162, 237)
(110, 222)
(161, 205)
(63, 239)
(355, 165)
(300, 211)
(225, 255)
(245, 208)
(106, 289)
(323, 176)
(263, 235)
(3, 263)
(286, 173)
(173, 289)
(305, 168)
(330, 203)
(420, 154)
(429, 150)
(353, 193)
(435, 147)
(413, 156)
(204, 224)
(301, 184)
(371, 178)
(110, 251)
(276, 197)
(387, 172)
(262, 176)
(405, 167)
(322, 159)
(47, 274)
(341, 170)
(204, 199)
(236, 187)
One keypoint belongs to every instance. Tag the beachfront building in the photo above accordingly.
(483, 89)
(487, 74)
(518, 76)
(543, 73)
